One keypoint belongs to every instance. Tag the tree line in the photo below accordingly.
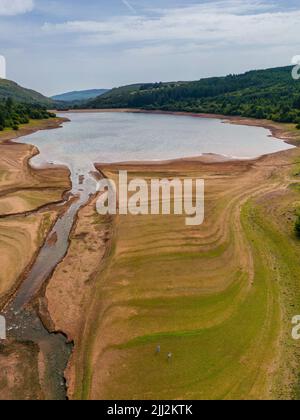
(264, 94)
(13, 114)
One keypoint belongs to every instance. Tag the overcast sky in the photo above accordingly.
(59, 45)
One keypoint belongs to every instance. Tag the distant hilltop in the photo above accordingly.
(82, 95)
(10, 89)
(271, 94)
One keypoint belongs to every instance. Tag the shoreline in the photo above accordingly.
(31, 128)
(277, 130)
(11, 138)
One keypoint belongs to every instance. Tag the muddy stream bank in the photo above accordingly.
(23, 318)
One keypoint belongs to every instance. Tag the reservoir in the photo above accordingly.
(117, 137)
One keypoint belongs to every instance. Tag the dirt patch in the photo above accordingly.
(19, 367)
(72, 285)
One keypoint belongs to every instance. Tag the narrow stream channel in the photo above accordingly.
(23, 321)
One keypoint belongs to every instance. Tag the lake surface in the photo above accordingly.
(115, 137)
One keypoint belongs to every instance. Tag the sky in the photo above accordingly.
(55, 46)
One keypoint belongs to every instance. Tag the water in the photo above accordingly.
(115, 137)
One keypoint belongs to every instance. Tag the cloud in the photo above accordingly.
(216, 24)
(15, 7)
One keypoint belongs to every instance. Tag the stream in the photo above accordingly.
(23, 321)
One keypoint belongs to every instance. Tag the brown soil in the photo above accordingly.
(72, 285)
(19, 379)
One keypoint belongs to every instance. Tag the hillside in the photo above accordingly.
(9, 89)
(271, 94)
(13, 114)
(82, 95)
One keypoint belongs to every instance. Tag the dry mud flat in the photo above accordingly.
(26, 204)
(219, 297)
(27, 213)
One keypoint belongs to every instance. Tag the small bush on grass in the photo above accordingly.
(297, 227)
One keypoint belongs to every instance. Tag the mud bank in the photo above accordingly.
(28, 195)
(31, 202)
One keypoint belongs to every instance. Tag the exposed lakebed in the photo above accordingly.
(110, 137)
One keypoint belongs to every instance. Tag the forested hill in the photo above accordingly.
(271, 94)
(9, 89)
(82, 95)
(13, 114)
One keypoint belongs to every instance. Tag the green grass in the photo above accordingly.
(228, 359)
(213, 362)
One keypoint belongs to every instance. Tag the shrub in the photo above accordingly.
(297, 227)
(12, 113)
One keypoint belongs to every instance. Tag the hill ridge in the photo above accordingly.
(11, 89)
(264, 94)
